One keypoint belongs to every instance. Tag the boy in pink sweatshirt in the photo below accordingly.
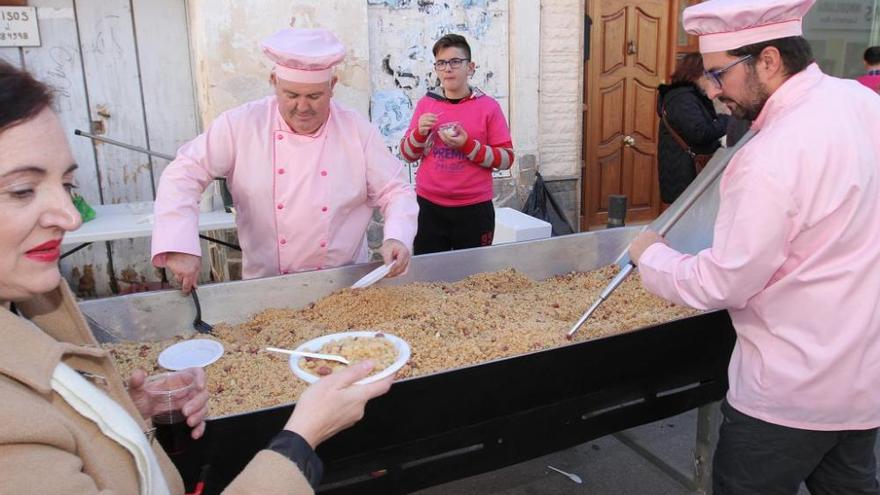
(460, 135)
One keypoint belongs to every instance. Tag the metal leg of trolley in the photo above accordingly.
(708, 418)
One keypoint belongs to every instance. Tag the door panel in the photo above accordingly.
(642, 186)
(647, 33)
(613, 99)
(611, 167)
(620, 140)
(613, 50)
(644, 112)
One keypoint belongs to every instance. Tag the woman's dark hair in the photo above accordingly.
(21, 96)
(689, 69)
(795, 52)
(872, 55)
(452, 40)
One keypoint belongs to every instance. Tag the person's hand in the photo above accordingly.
(195, 408)
(642, 242)
(334, 403)
(426, 123)
(393, 251)
(185, 268)
(455, 139)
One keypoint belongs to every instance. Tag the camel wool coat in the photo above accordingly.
(48, 447)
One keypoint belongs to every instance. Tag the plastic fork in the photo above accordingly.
(315, 355)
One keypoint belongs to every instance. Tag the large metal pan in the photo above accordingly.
(436, 428)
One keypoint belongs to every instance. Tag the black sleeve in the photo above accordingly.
(295, 448)
(687, 115)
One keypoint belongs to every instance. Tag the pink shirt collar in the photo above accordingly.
(791, 90)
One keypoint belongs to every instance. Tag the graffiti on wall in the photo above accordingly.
(390, 111)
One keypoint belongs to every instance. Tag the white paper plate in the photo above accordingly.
(196, 353)
(372, 277)
(314, 345)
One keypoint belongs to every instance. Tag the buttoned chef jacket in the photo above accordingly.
(303, 202)
(796, 259)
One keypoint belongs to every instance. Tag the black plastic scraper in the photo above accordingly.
(200, 325)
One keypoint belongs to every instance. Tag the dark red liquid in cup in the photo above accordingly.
(172, 432)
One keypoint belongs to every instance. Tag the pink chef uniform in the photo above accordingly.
(303, 202)
(796, 251)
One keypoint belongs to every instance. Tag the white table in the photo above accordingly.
(134, 220)
(515, 226)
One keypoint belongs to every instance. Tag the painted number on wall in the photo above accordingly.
(18, 26)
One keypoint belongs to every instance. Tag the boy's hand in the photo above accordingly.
(455, 138)
(426, 122)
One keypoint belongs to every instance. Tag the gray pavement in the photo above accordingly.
(606, 466)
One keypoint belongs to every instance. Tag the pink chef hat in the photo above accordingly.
(730, 24)
(304, 55)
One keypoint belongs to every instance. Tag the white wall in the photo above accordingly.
(525, 75)
(229, 67)
(561, 92)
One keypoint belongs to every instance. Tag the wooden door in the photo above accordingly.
(629, 59)
(120, 68)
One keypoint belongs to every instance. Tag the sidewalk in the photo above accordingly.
(606, 466)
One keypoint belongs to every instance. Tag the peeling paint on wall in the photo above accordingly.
(471, 4)
(391, 4)
(390, 111)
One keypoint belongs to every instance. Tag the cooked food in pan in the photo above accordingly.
(377, 349)
(484, 317)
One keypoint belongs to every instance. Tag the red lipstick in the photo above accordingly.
(47, 252)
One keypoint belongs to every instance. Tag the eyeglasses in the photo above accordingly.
(715, 75)
(453, 63)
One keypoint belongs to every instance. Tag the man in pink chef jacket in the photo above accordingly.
(305, 174)
(795, 258)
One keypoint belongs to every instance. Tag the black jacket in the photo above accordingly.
(692, 115)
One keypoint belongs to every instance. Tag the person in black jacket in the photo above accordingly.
(695, 127)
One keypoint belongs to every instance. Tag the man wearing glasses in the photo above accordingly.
(460, 135)
(795, 258)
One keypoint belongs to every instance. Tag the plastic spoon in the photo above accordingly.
(315, 355)
(573, 477)
(373, 277)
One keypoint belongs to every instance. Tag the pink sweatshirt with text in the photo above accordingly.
(450, 177)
